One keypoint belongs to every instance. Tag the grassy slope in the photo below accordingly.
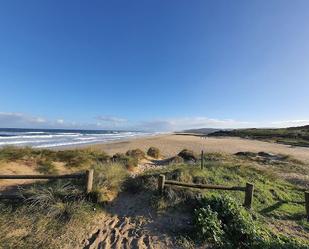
(276, 201)
(297, 136)
(273, 197)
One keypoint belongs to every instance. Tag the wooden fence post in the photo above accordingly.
(161, 182)
(202, 160)
(307, 204)
(89, 180)
(249, 195)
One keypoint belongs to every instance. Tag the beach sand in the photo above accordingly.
(172, 144)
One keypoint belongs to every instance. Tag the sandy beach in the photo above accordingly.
(171, 144)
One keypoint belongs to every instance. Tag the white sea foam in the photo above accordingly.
(49, 138)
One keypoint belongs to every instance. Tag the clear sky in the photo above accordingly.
(159, 65)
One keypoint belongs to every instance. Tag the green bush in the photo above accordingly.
(153, 152)
(136, 153)
(222, 221)
(208, 226)
(237, 226)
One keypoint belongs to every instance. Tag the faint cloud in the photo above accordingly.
(110, 121)
(60, 121)
(175, 124)
(11, 119)
(289, 123)
(22, 120)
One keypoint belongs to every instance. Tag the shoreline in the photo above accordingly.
(87, 145)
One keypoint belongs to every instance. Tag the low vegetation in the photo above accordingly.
(128, 161)
(57, 214)
(108, 181)
(46, 167)
(153, 152)
(188, 155)
(136, 153)
(295, 136)
(50, 215)
(223, 223)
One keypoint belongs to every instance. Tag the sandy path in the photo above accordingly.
(172, 144)
(132, 223)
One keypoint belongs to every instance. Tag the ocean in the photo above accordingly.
(48, 138)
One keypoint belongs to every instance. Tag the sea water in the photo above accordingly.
(48, 138)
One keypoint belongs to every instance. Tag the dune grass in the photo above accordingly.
(50, 215)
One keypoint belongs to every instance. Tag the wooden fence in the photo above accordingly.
(248, 189)
(87, 176)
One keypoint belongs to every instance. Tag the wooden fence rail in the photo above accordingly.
(87, 176)
(72, 176)
(248, 189)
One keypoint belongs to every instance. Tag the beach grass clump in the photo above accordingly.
(136, 153)
(74, 158)
(99, 156)
(108, 180)
(188, 155)
(128, 161)
(175, 160)
(46, 167)
(56, 200)
(154, 152)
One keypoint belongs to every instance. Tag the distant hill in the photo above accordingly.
(296, 136)
(201, 131)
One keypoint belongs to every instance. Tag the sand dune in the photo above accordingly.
(171, 144)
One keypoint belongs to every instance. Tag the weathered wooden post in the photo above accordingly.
(307, 204)
(202, 160)
(89, 180)
(161, 182)
(248, 195)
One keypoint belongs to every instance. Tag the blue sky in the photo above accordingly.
(155, 65)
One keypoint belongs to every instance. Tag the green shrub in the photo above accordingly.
(229, 222)
(222, 221)
(153, 152)
(208, 226)
(188, 155)
(136, 153)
